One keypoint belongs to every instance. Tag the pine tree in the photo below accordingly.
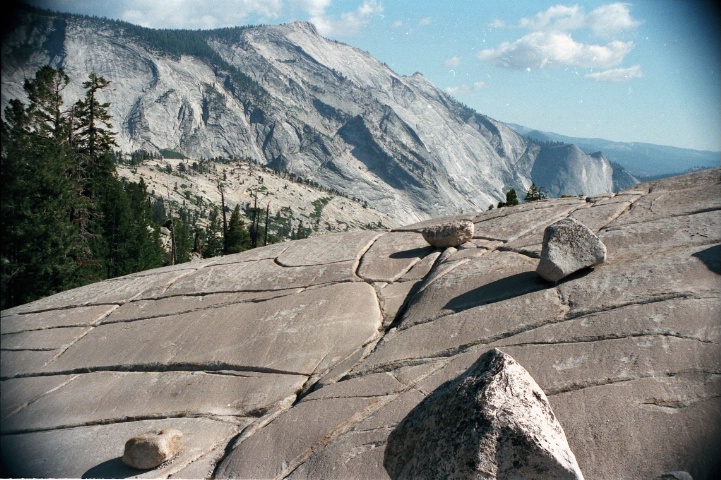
(534, 194)
(213, 235)
(237, 239)
(39, 250)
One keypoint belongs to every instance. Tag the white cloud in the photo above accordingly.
(609, 20)
(397, 24)
(605, 21)
(465, 88)
(190, 14)
(617, 74)
(452, 62)
(348, 23)
(556, 18)
(542, 49)
(312, 7)
(497, 23)
(425, 21)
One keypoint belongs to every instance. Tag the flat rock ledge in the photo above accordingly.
(493, 421)
(448, 234)
(568, 246)
(151, 449)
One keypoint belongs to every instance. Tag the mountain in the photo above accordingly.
(640, 159)
(286, 97)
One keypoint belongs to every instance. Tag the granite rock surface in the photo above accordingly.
(301, 360)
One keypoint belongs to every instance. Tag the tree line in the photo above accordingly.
(66, 219)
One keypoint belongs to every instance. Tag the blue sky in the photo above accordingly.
(646, 71)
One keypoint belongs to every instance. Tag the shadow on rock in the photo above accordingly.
(114, 468)
(419, 252)
(711, 257)
(499, 290)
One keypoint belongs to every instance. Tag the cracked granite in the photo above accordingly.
(299, 360)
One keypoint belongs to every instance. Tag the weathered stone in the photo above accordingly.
(48, 339)
(114, 396)
(299, 334)
(675, 476)
(569, 246)
(95, 451)
(278, 448)
(450, 234)
(70, 317)
(391, 256)
(492, 422)
(491, 278)
(298, 359)
(482, 324)
(326, 249)
(518, 221)
(150, 449)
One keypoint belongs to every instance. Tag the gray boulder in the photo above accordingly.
(569, 246)
(448, 234)
(150, 449)
(493, 421)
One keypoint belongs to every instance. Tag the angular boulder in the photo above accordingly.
(568, 246)
(448, 234)
(150, 449)
(491, 422)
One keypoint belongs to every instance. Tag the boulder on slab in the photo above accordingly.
(448, 234)
(568, 246)
(491, 422)
(150, 449)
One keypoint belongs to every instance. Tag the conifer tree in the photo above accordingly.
(213, 235)
(237, 238)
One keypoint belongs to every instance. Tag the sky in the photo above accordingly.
(644, 71)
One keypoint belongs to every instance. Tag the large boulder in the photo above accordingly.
(491, 422)
(569, 246)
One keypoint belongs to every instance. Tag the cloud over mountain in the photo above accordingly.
(550, 42)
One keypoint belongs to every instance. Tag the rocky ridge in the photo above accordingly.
(300, 359)
(286, 97)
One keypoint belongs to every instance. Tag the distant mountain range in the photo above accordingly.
(642, 160)
(285, 97)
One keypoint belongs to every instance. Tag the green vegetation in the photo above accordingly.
(511, 199)
(535, 194)
(167, 153)
(66, 218)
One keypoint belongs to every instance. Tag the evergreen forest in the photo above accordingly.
(67, 219)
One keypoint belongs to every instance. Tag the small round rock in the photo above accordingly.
(150, 449)
(449, 234)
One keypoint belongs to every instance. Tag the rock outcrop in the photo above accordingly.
(490, 422)
(299, 360)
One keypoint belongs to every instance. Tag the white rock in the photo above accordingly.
(449, 234)
(492, 422)
(150, 449)
(569, 246)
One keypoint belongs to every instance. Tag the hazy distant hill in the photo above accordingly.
(640, 159)
(286, 97)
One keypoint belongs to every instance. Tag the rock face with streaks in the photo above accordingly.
(490, 422)
(286, 97)
(308, 359)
